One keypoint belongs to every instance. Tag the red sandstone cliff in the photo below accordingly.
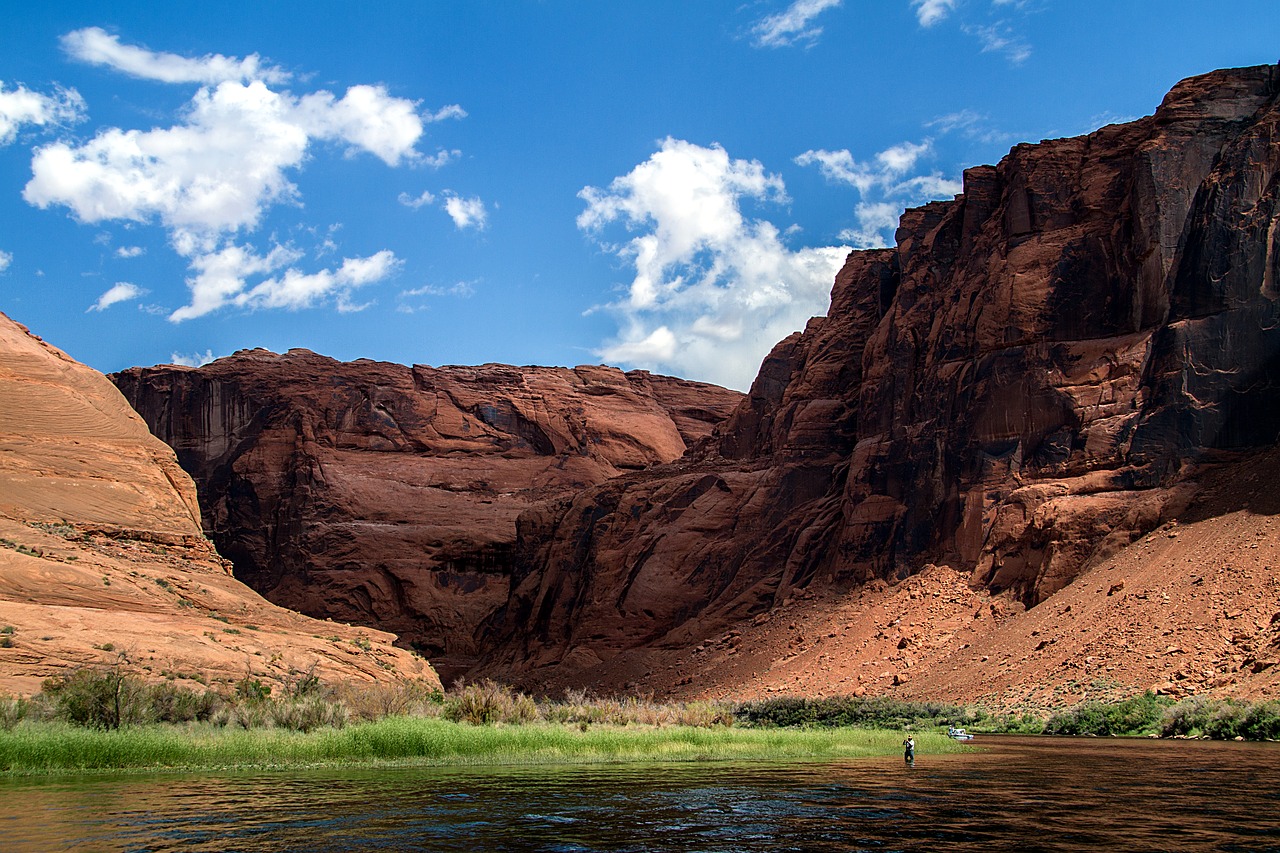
(102, 559)
(388, 495)
(1032, 379)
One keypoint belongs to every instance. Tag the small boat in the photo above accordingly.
(958, 734)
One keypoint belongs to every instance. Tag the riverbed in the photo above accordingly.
(1013, 793)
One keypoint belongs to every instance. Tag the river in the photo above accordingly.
(1027, 794)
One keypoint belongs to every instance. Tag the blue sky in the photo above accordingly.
(666, 185)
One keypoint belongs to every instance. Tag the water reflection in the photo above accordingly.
(1019, 793)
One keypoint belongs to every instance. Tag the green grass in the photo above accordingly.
(34, 748)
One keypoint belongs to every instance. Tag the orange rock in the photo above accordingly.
(102, 559)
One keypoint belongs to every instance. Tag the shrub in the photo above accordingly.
(309, 713)
(868, 712)
(252, 690)
(374, 701)
(12, 711)
(250, 715)
(1262, 722)
(168, 703)
(488, 703)
(1137, 715)
(98, 698)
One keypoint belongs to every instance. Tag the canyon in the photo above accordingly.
(1023, 457)
(386, 495)
(103, 562)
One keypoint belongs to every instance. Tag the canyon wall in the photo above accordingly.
(1030, 380)
(387, 495)
(103, 560)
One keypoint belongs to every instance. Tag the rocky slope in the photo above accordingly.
(388, 495)
(1037, 376)
(102, 557)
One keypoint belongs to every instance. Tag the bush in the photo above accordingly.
(1134, 716)
(252, 690)
(168, 703)
(369, 702)
(98, 698)
(307, 714)
(488, 703)
(878, 712)
(1262, 722)
(12, 711)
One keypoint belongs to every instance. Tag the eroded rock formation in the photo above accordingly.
(388, 495)
(1024, 385)
(102, 557)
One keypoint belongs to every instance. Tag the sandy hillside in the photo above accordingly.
(102, 558)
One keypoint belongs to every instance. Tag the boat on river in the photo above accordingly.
(958, 734)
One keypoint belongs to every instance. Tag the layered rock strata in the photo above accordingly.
(388, 495)
(102, 557)
(1028, 382)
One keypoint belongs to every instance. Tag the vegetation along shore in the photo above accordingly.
(103, 720)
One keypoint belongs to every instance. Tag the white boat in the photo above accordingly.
(958, 734)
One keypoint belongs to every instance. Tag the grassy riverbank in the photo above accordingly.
(50, 747)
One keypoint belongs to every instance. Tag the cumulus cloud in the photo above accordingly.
(96, 46)
(466, 212)
(121, 291)
(5, 259)
(222, 278)
(930, 12)
(195, 359)
(712, 290)
(886, 186)
(21, 106)
(219, 170)
(130, 252)
(366, 117)
(213, 175)
(792, 25)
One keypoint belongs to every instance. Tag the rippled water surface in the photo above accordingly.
(1015, 794)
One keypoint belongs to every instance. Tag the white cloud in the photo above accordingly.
(5, 259)
(885, 185)
(130, 252)
(466, 212)
(415, 299)
(196, 359)
(792, 25)
(20, 106)
(227, 163)
(214, 174)
(712, 290)
(447, 112)
(366, 117)
(222, 278)
(416, 202)
(98, 47)
(441, 158)
(999, 38)
(930, 12)
(121, 291)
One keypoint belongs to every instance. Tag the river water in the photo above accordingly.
(1029, 794)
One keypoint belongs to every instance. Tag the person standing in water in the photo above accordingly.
(909, 750)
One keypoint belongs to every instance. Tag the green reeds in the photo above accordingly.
(43, 748)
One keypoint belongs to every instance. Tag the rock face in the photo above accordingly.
(102, 556)
(388, 495)
(1027, 383)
